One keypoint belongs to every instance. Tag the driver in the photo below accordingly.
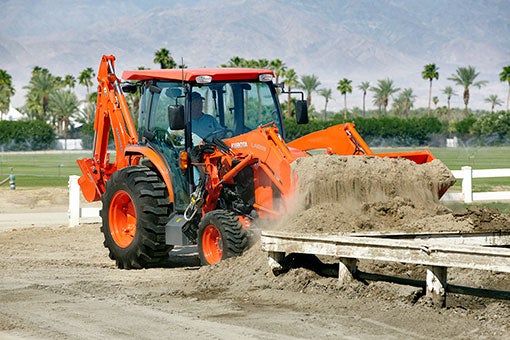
(203, 125)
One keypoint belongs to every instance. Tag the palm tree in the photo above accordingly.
(449, 94)
(344, 86)
(85, 79)
(164, 59)
(235, 61)
(383, 92)
(82, 118)
(494, 101)
(505, 76)
(430, 72)
(63, 104)
(291, 80)
(41, 85)
(405, 101)
(261, 63)
(278, 68)
(69, 81)
(364, 86)
(435, 100)
(465, 76)
(326, 93)
(6, 92)
(309, 83)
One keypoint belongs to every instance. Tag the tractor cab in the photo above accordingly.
(220, 109)
(238, 99)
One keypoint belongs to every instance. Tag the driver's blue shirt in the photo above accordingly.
(205, 125)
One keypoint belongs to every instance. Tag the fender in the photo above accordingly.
(159, 162)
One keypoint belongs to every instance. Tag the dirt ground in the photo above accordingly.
(58, 282)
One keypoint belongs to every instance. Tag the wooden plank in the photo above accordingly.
(408, 251)
(480, 238)
(483, 173)
(491, 196)
(346, 268)
(436, 285)
(489, 173)
(274, 260)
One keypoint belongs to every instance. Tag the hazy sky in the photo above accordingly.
(358, 39)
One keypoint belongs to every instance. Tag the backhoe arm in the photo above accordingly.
(111, 112)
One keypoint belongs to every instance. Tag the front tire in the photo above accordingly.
(135, 211)
(220, 236)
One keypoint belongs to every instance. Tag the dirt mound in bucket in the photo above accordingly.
(345, 194)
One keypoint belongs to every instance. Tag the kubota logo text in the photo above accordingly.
(239, 145)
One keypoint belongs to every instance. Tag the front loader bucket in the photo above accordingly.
(419, 157)
(344, 140)
(422, 157)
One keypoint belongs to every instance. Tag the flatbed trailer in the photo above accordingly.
(437, 251)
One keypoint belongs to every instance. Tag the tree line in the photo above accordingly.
(52, 99)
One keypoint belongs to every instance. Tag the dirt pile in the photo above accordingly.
(350, 194)
(355, 180)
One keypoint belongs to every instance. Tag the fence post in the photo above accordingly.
(74, 201)
(467, 184)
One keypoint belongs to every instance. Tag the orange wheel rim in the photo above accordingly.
(212, 244)
(122, 219)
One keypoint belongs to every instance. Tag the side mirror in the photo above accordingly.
(301, 112)
(176, 117)
(129, 88)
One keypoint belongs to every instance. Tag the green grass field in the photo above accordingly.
(40, 169)
(52, 169)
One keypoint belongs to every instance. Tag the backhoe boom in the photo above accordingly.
(111, 112)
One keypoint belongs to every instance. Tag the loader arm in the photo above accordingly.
(113, 113)
(343, 139)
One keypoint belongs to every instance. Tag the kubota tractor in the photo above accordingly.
(171, 185)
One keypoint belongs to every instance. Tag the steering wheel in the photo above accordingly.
(222, 133)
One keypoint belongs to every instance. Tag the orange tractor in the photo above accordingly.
(172, 182)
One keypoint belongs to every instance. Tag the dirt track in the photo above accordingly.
(59, 283)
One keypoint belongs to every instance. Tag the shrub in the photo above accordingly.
(26, 135)
(379, 131)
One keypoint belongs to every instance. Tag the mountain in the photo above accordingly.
(361, 40)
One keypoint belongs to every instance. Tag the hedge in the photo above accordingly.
(376, 131)
(26, 135)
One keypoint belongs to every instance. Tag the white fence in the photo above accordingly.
(79, 214)
(467, 195)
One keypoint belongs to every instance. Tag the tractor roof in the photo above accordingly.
(190, 74)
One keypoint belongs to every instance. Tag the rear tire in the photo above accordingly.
(220, 236)
(135, 211)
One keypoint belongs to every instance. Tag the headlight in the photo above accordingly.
(203, 79)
